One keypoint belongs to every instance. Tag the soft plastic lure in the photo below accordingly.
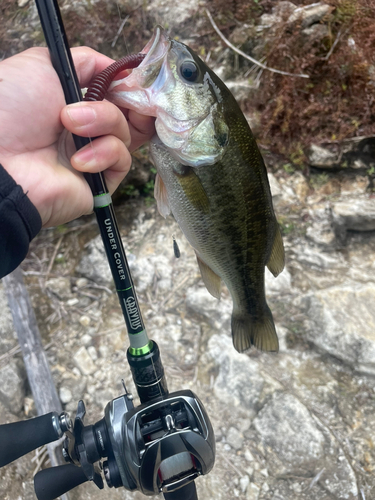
(101, 82)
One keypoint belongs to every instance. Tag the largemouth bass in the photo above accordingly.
(211, 177)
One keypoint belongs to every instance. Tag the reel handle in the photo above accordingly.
(20, 438)
(55, 481)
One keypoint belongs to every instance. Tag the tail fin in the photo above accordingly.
(248, 330)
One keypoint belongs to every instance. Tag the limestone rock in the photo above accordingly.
(202, 304)
(340, 480)
(12, 386)
(65, 395)
(319, 156)
(72, 388)
(83, 361)
(342, 323)
(355, 153)
(276, 190)
(286, 426)
(174, 15)
(299, 185)
(253, 492)
(282, 11)
(283, 194)
(149, 270)
(357, 186)
(310, 14)
(234, 438)
(355, 214)
(316, 32)
(239, 381)
(280, 285)
(94, 264)
(288, 13)
(321, 230)
(244, 483)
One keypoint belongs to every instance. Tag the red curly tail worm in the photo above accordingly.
(101, 82)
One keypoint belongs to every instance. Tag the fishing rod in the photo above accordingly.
(167, 441)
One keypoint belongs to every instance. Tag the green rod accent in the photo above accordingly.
(141, 351)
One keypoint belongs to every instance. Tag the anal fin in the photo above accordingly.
(210, 279)
(276, 261)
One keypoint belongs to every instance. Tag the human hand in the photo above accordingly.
(33, 115)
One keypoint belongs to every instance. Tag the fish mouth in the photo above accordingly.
(136, 88)
(156, 48)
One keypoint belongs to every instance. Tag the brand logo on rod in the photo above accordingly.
(132, 312)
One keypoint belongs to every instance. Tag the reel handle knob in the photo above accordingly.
(19, 438)
(55, 481)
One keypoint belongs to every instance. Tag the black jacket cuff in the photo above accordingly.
(20, 222)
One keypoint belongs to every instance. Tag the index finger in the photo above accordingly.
(89, 63)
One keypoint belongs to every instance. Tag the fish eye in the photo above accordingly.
(189, 71)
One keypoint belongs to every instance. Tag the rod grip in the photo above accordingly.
(20, 438)
(55, 481)
(148, 374)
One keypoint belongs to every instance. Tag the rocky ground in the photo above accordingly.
(294, 425)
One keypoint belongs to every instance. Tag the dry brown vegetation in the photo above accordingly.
(98, 26)
(337, 101)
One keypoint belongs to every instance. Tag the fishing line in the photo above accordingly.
(120, 30)
(158, 380)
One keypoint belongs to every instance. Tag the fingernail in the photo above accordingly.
(81, 115)
(85, 156)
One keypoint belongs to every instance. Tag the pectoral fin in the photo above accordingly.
(160, 193)
(276, 261)
(210, 279)
(193, 188)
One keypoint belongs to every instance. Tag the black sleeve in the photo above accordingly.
(20, 222)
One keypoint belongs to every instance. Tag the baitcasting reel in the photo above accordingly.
(162, 445)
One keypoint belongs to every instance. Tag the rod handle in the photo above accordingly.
(19, 438)
(55, 481)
